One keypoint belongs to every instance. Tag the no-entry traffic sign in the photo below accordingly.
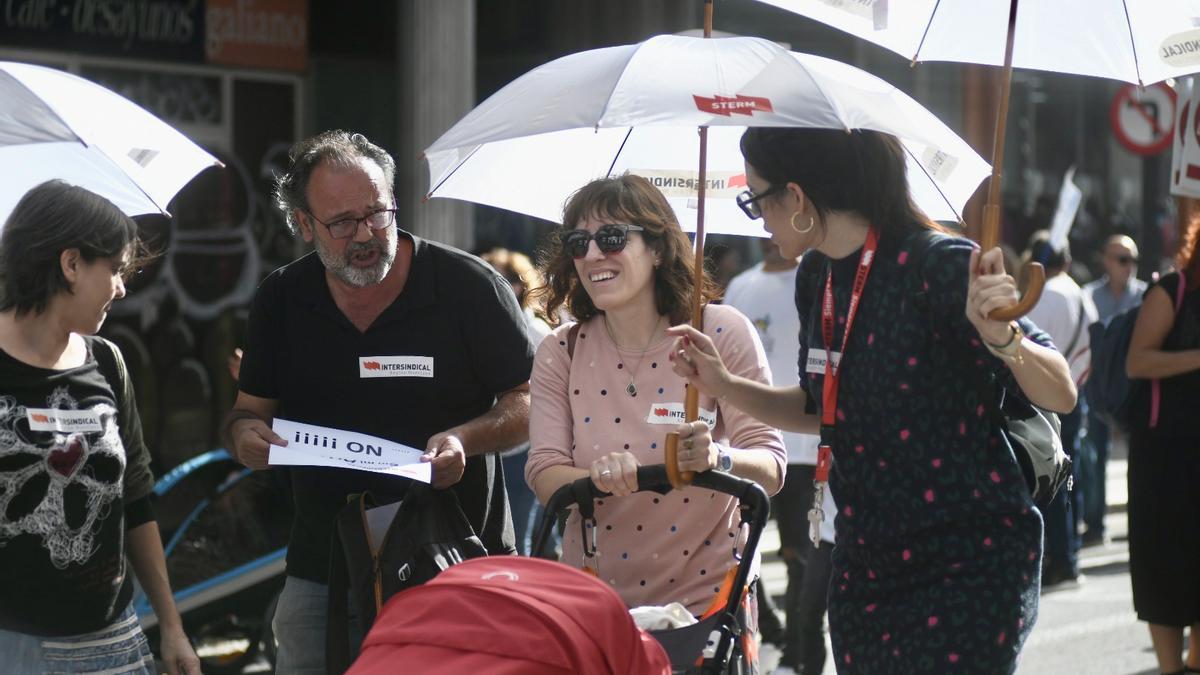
(1143, 119)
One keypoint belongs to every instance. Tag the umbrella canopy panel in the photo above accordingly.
(537, 174)
(637, 107)
(1144, 42)
(56, 125)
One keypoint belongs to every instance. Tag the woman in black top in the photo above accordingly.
(75, 482)
(1164, 462)
(938, 542)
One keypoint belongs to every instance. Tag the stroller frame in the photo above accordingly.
(718, 633)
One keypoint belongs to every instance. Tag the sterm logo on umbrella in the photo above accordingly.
(735, 105)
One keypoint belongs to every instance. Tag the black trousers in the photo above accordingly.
(808, 570)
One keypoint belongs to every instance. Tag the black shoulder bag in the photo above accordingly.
(1035, 435)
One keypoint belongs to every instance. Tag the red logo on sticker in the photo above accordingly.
(735, 105)
(661, 412)
(737, 181)
(371, 365)
(38, 417)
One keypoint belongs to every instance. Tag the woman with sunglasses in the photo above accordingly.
(603, 408)
(936, 566)
(76, 523)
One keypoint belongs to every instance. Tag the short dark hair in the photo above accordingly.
(49, 219)
(861, 170)
(633, 200)
(342, 147)
(1040, 251)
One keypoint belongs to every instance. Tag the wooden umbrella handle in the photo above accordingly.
(1034, 273)
(691, 405)
(989, 236)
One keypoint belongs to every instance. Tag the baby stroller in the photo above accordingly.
(719, 643)
(507, 615)
(224, 530)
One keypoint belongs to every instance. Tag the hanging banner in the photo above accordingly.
(1185, 158)
(311, 445)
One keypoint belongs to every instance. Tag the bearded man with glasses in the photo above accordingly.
(318, 331)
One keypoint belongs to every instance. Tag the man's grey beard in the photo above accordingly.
(360, 277)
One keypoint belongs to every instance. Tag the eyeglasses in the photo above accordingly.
(343, 228)
(748, 201)
(1126, 260)
(609, 239)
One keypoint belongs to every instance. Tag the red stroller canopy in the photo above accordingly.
(509, 616)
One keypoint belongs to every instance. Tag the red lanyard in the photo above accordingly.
(833, 374)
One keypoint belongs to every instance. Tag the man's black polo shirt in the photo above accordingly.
(460, 320)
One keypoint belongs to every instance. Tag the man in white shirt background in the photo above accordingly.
(766, 294)
(1064, 311)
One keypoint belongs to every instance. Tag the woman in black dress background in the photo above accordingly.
(936, 567)
(1164, 464)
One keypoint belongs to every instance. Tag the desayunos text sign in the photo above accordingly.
(311, 445)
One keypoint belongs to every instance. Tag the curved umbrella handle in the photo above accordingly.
(1035, 274)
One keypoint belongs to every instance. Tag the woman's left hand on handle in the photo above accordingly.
(696, 452)
(989, 288)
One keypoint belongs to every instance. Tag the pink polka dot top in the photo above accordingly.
(653, 549)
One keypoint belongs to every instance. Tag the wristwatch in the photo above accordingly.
(724, 460)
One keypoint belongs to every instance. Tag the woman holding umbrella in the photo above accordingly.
(75, 480)
(603, 397)
(939, 544)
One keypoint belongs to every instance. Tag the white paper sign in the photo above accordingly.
(1185, 160)
(311, 445)
(1069, 198)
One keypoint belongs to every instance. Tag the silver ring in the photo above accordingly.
(606, 472)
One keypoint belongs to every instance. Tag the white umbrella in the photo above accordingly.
(1139, 41)
(636, 108)
(56, 125)
(1142, 42)
(648, 108)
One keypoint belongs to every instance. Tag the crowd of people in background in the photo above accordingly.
(838, 373)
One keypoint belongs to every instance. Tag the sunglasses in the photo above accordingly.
(748, 201)
(609, 239)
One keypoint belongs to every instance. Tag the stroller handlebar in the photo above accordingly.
(754, 505)
(653, 478)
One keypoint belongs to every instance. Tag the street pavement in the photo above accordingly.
(1084, 629)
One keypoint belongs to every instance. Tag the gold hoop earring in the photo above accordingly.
(811, 224)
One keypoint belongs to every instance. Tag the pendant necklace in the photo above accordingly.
(632, 388)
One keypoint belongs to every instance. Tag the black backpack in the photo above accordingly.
(1109, 390)
(379, 551)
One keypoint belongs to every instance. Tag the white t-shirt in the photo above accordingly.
(1059, 312)
(768, 300)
